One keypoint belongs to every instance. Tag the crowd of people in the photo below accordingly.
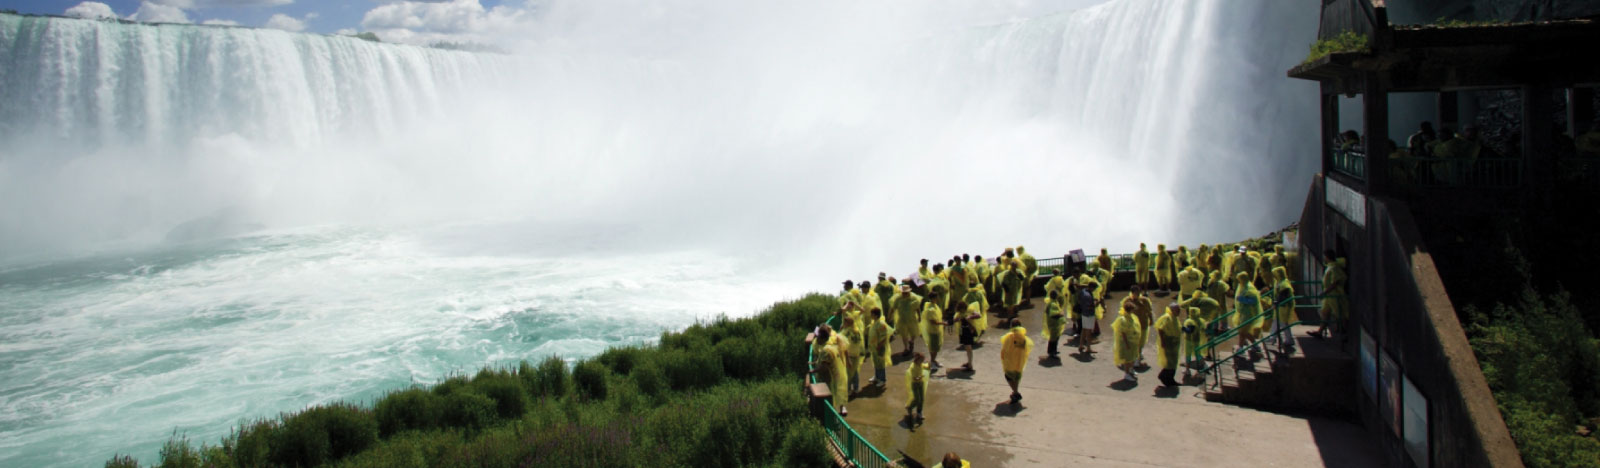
(1445, 156)
(960, 295)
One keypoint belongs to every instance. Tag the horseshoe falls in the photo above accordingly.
(202, 225)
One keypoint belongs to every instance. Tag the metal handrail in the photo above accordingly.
(852, 444)
(1233, 332)
(1350, 162)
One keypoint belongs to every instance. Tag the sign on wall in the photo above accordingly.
(1416, 422)
(1389, 391)
(1369, 365)
(1346, 201)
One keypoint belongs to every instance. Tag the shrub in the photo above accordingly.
(549, 380)
(467, 410)
(688, 370)
(650, 379)
(451, 385)
(323, 433)
(122, 461)
(1348, 41)
(177, 453)
(803, 445)
(251, 445)
(412, 408)
(621, 359)
(510, 400)
(746, 359)
(590, 379)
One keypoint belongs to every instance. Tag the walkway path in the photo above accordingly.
(1076, 413)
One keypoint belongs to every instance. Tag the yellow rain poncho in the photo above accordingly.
(1202, 256)
(1168, 340)
(1205, 309)
(1056, 284)
(1194, 333)
(1247, 299)
(1181, 259)
(857, 351)
(1011, 285)
(869, 301)
(960, 283)
(1163, 266)
(879, 335)
(933, 325)
(1104, 260)
(1103, 277)
(1189, 280)
(1141, 265)
(1334, 303)
(1142, 311)
(1014, 350)
(1282, 289)
(1030, 265)
(917, 377)
(907, 316)
(885, 291)
(835, 359)
(1054, 320)
(1218, 289)
(978, 301)
(1125, 347)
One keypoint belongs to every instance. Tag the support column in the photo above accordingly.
(1449, 113)
(1580, 110)
(1330, 128)
(1375, 127)
(1538, 149)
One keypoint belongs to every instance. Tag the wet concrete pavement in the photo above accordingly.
(1077, 412)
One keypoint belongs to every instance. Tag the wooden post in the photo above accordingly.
(1375, 126)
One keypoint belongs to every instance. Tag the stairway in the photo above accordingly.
(1319, 377)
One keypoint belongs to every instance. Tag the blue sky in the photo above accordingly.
(404, 18)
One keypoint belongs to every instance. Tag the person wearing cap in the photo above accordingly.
(1164, 269)
(849, 294)
(869, 298)
(879, 337)
(907, 316)
(951, 460)
(1014, 350)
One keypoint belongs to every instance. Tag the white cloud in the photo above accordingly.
(285, 22)
(157, 13)
(192, 4)
(91, 10)
(346, 32)
(219, 22)
(420, 22)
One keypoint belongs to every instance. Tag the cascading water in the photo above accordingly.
(200, 225)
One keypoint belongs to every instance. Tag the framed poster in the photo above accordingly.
(1369, 365)
(1416, 422)
(1389, 391)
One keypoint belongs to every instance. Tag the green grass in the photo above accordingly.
(1348, 41)
(721, 393)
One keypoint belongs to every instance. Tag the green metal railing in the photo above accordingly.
(1350, 163)
(1119, 263)
(1475, 173)
(855, 448)
(1209, 347)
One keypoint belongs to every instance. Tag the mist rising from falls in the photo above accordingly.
(866, 135)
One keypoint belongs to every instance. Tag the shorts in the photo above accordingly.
(1013, 377)
(1088, 321)
(969, 336)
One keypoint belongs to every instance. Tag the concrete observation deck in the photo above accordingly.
(1077, 412)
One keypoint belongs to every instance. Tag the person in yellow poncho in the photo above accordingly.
(1247, 299)
(1218, 289)
(1141, 267)
(1182, 259)
(1030, 265)
(1143, 313)
(1104, 260)
(831, 363)
(1168, 339)
(1189, 280)
(1103, 277)
(879, 336)
(1014, 350)
(1163, 267)
(917, 377)
(951, 460)
(1193, 336)
(854, 353)
(1056, 283)
(959, 284)
(869, 299)
(1335, 306)
(1283, 290)
(933, 330)
(849, 294)
(1054, 322)
(906, 307)
(1124, 351)
(978, 302)
(1011, 286)
(1202, 256)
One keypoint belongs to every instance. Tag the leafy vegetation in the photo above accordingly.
(1348, 41)
(1543, 364)
(721, 393)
